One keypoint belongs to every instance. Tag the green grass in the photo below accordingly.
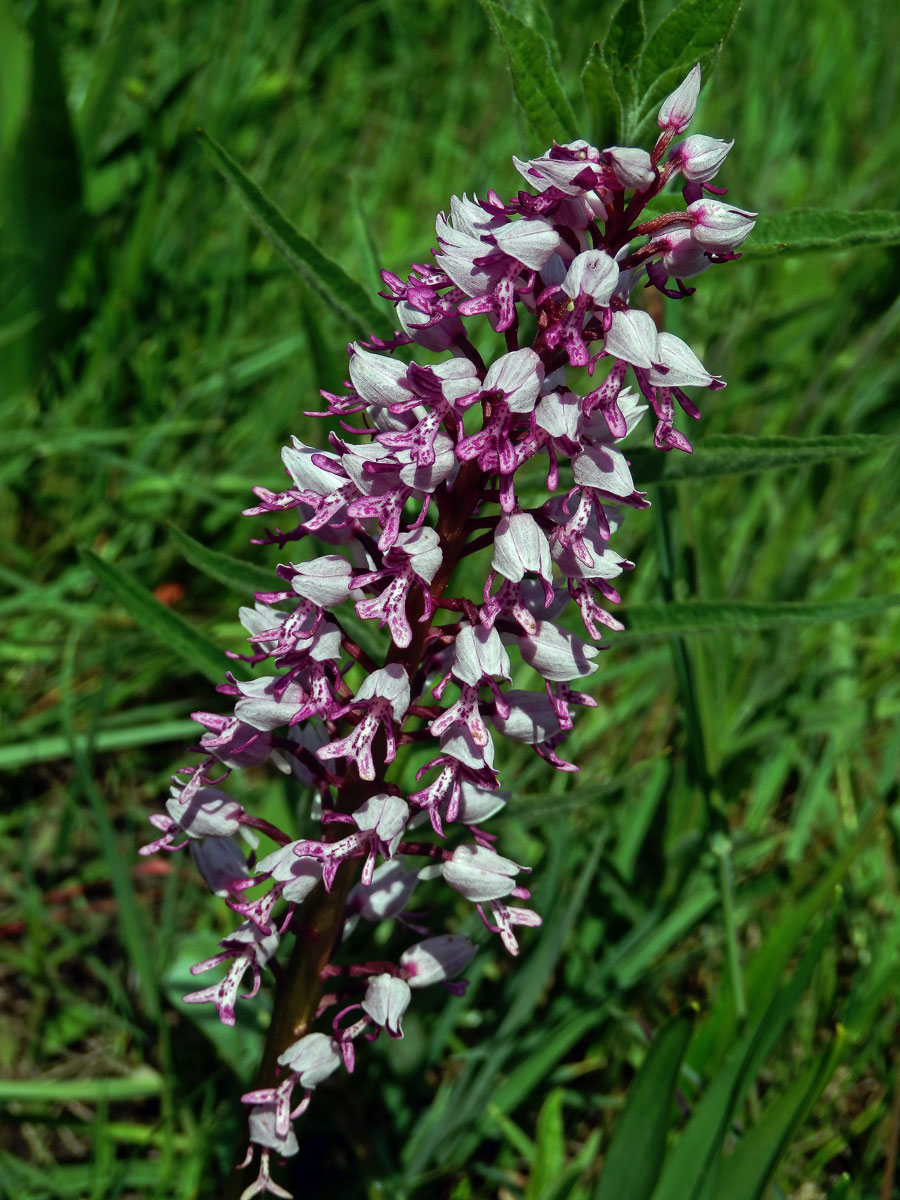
(734, 825)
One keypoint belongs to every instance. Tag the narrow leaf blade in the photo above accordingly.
(802, 230)
(343, 294)
(189, 644)
(225, 568)
(636, 1153)
(697, 616)
(738, 455)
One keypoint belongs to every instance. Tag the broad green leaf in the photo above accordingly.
(805, 229)
(343, 294)
(181, 639)
(534, 14)
(737, 454)
(246, 577)
(694, 32)
(622, 49)
(697, 616)
(635, 1156)
(690, 1167)
(745, 1174)
(603, 102)
(535, 81)
(550, 1145)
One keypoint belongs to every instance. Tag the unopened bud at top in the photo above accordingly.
(677, 109)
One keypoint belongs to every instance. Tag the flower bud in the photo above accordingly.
(387, 999)
(699, 157)
(313, 1057)
(479, 874)
(436, 959)
(718, 226)
(678, 108)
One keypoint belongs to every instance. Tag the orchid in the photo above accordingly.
(512, 467)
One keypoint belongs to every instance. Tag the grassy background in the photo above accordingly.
(156, 353)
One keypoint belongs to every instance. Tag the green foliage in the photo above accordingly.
(348, 299)
(636, 1152)
(537, 85)
(808, 229)
(731, 838)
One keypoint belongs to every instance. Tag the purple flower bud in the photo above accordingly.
(678, 108)
(379, 380)
(209, 813)
(605, 469)
(532, 718)
(263, 1132)
(387, 894)
(718, 226)
(518, 377)
(699, 157)
(221, 864)
(436, 959)
(478, 804)
(682, 366)
(387, 999)
(479, 874)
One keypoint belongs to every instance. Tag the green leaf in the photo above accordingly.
(535, 81)
(243, 576)
(139, 1085)
(737, 455)
(636, 1153)
(745, 1174)
(690, 1167)
(622, 49)
(46, 749)
(182, 639)
(698, 616)
(804, 229)
(694, 32)
(550, 1145)
(343, 294)
(603, 102)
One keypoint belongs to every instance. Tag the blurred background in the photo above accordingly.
(156, 353)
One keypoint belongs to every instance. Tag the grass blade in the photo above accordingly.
(243, 576)
(745, 1174)
(636, 1153)
(191, 646)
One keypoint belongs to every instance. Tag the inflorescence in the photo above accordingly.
(496, 462)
